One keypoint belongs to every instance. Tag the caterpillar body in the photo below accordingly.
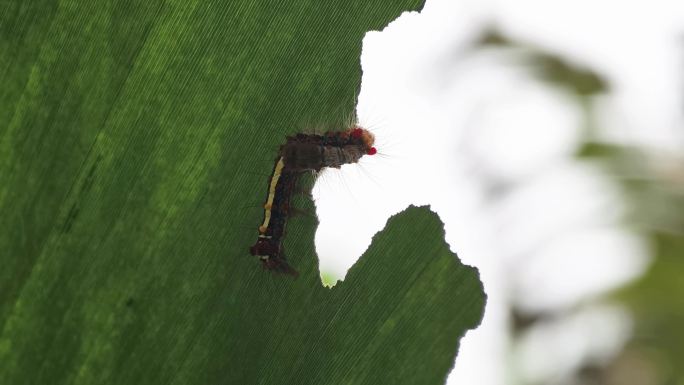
(302, 153)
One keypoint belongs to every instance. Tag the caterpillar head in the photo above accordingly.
(364, 137)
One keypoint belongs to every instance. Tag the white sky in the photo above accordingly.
(454, 124)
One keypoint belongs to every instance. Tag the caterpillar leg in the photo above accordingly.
(279, 265)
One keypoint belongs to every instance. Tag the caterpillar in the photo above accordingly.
(302, 153)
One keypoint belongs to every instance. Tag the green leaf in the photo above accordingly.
(136, 142)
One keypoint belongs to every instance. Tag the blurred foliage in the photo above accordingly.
(653, 186)
(576, 79)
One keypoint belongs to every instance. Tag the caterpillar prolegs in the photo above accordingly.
(299, 154)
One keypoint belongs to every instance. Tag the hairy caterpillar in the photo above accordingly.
(302, 153)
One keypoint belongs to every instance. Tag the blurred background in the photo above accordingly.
(549, 138)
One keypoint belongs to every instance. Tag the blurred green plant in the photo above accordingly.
(653, 187)
(653, 184)
(137, 138)
(553, 69)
